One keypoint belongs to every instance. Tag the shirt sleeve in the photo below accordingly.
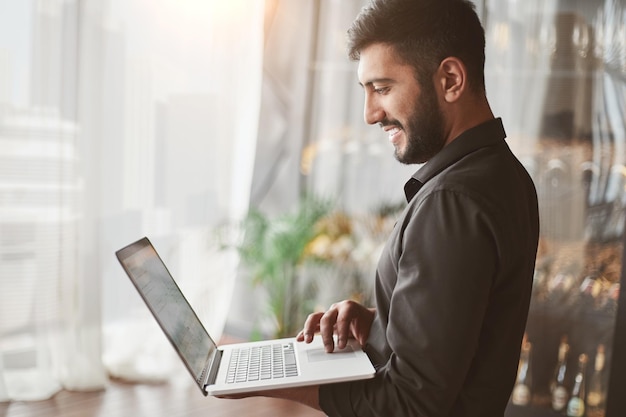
(446, 256)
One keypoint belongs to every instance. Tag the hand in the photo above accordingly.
(345, 319)
(305, 395)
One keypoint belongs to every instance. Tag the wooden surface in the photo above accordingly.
(163, 400)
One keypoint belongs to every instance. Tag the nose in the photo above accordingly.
(372, 111)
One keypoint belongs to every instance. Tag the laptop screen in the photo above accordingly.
(168, 305)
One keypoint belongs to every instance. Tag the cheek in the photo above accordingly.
(408, 102)
(402, 111)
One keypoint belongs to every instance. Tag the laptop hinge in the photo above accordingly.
(213, 368)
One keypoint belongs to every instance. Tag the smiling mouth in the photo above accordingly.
(393, 134)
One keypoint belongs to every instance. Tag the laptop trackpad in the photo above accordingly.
(318, 355)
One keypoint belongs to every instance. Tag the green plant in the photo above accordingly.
(273, 250)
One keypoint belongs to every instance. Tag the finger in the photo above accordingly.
(327, 329)
(342, 327)
(305, 337)
(300, 336)
(311, 326)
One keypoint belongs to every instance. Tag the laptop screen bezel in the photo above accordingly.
(123, 255)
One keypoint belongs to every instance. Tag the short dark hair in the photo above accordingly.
(424, 33)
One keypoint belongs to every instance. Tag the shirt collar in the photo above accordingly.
(485, 134)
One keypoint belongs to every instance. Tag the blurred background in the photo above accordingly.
(177, 120)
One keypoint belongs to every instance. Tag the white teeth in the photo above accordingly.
(393, 131)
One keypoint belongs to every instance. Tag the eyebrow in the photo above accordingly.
(375, 81)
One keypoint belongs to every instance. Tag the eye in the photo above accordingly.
(381, 90)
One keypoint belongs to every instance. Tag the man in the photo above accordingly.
(453, 284)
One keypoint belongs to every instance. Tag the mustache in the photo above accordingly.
(390, 122)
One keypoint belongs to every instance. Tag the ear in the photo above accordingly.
(453, 78)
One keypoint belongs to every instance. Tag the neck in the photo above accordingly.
(466, 114)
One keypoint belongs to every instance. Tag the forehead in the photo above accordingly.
(380, 61)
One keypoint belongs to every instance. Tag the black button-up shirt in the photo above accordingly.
(453, 288)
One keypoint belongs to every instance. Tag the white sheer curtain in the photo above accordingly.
(49, 306)
(191, 84)
(118, 119)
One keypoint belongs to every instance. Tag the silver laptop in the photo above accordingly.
(236, 368)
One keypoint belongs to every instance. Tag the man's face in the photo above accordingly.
(407, 111)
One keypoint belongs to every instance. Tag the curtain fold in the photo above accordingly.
(276, 182)
(50, 319)
(191, 89)
(118, 119)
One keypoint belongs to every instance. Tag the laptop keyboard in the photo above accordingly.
(259, 363)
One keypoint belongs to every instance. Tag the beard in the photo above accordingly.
(424, 129)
